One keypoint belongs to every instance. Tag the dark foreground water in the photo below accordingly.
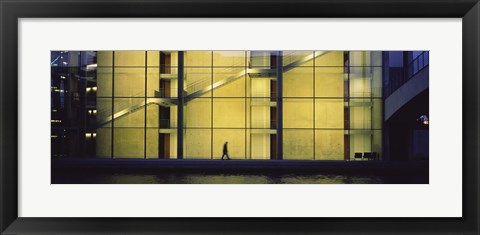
(171, 178)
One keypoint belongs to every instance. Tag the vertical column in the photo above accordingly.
(145, 110)
(280, 106)
(346, 109)
(180, 106)
(113, 104)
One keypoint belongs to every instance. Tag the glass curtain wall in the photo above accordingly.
(332, 104)
(136, 111)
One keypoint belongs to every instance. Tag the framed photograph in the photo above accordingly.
(239, 117)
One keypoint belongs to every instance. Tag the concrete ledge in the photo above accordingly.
(237, 166)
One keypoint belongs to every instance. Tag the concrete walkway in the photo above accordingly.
(235, 166)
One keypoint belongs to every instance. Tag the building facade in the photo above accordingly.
(290, 105)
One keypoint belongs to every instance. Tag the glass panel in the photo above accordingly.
(128, 142)
(329, 58)
(262, 88)
(261, 58)
(229, 82)
(377, 119)
(104, 58)
(125, 116)
(377, 82)
(329, 113)
(153, 116)
(153, 84)
(173, 60)
(260, 145)
(261, 117)
(198, 144)
(129, 82)
(377, 144)
(376, 58)
(359, 58)
(229, 112)
(172, 137)
(229, 58)
(329, 82)
(130, 58)
(198, 79)
(198, 113)
(360, 81)
(198, 58)
(297, 113)
(174, 116)
(360, 143)
(360, 114)
(297, 144)
(153, 58)
(104, 110)
(298, 58)
(329, 144)
(161, 116)
(236, 143)
(298, 82)
(153, 143)
(104, 82)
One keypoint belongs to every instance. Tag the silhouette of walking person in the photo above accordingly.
(225, 151)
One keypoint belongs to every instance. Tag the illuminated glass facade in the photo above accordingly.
(290, 105)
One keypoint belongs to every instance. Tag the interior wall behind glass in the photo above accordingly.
(329, 82)
(104, 59)
(153, 84)
(229, 113)
(329, 113)
(104, 82)
(298, 144)
(298, 113)
(129, 58)
(229, 58)
(298, 82)
(198, 58)
(104, 142)
(198, 143)
(329, 144)
(198, 113)
(128, 142)
(329, 59)
(152, 143)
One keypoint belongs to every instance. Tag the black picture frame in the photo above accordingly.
(12, 10)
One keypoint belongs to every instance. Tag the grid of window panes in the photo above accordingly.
(331, 104)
